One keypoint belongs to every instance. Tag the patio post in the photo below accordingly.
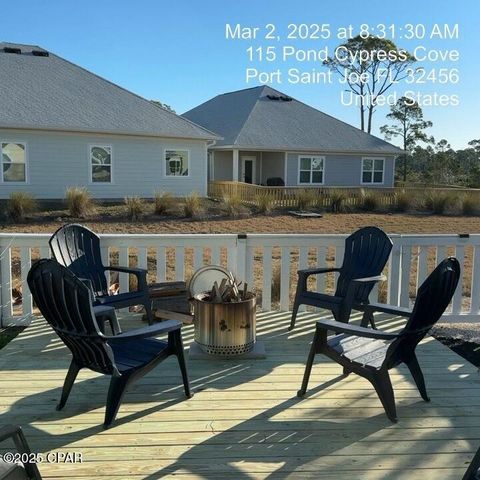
(235, 166)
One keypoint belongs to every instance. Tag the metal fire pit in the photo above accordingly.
(225, 329)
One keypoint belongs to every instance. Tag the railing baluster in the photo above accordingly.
(321, 280)
(6, 285)
(457, 296)
(197, 257)
(475, 288)
(285, 279)
(161, 264)
(25, 264)
(302, 264)
(267, 279)
(394, 274)
(123, 279)
(422, 264)
(405, 279)
(215, 255)
(249, 267)
(179, 263)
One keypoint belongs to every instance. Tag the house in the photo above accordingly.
(271, 138)
(61, 125)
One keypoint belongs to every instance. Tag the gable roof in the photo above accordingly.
(264, 118)
(51, 93)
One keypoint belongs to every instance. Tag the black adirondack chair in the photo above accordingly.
(14, 471)
(473, 470)
(372, 353)
(66, 303)
(366, 254)
(78, 248)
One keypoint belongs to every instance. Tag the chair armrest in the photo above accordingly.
(140, 273)
(135, 271)
(316, 271)
(340, 327)
(376, 278)
(383, 308)
(147, 332)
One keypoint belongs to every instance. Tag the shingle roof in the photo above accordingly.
(254, 118)
(48, 92)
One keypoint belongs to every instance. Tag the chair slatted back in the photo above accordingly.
(433, 297)
(66, 304)
(78, 248)
(366, 254)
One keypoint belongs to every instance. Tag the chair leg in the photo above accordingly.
(180, 353)
(308, 367)
(296, 306)
(68, 383)
(417, 375)
(148, 310)
(368, 318)
(115, 394)
(383, 386)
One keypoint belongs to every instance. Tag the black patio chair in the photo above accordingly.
(78, 248)
(17, 471)
(366, 254)
(473, 470)
(66, 303)
(372, 353)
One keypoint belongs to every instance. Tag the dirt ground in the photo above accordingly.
(280, 222)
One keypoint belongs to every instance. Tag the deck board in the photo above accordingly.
(245, 420)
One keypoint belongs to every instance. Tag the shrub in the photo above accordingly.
(265, 202)
(192, 206)
(135, 207)
(163, 202)
(233, 206)
(305, 199)
(337, 201)
(79, 202)
(438, 202)
(20, 204)
(370, 201)
(403, 201)
(469, 204)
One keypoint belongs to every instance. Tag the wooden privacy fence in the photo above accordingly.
(288, 196)
(267, 262)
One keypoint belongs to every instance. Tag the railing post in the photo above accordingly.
(394, 273)
(241, 258)
(6, 307)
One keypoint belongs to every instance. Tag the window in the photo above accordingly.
(372, 170)
(310, 169)
(176, 163)
(14, 161)
(101, 163)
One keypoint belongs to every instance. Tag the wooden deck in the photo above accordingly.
(245, 420)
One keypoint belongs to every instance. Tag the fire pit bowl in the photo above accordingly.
(225, 328)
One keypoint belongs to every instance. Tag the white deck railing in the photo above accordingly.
(259, 259)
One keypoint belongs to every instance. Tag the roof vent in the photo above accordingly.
(12, 50)
(281, 98)
(40, 53)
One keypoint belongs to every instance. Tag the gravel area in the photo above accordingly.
(467, 332)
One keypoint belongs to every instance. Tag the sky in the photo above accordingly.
(176, 52)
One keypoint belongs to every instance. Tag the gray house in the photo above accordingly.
(61, 125)
(271, 138)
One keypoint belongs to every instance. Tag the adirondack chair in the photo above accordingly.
(366, 254)
(78, 248)
(372, 353)
(473, 470)
(66, 303)
(15, 471)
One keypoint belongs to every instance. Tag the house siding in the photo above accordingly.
(342, 170)
(58, 160)
(273, 165)
(223, 165)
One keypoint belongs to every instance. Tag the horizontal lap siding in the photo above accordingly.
(273, 165)
(340, 170)
(57, 160)
(222, 170)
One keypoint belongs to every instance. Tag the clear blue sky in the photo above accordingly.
(176, 52)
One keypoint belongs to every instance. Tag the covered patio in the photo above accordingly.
(245, 420)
